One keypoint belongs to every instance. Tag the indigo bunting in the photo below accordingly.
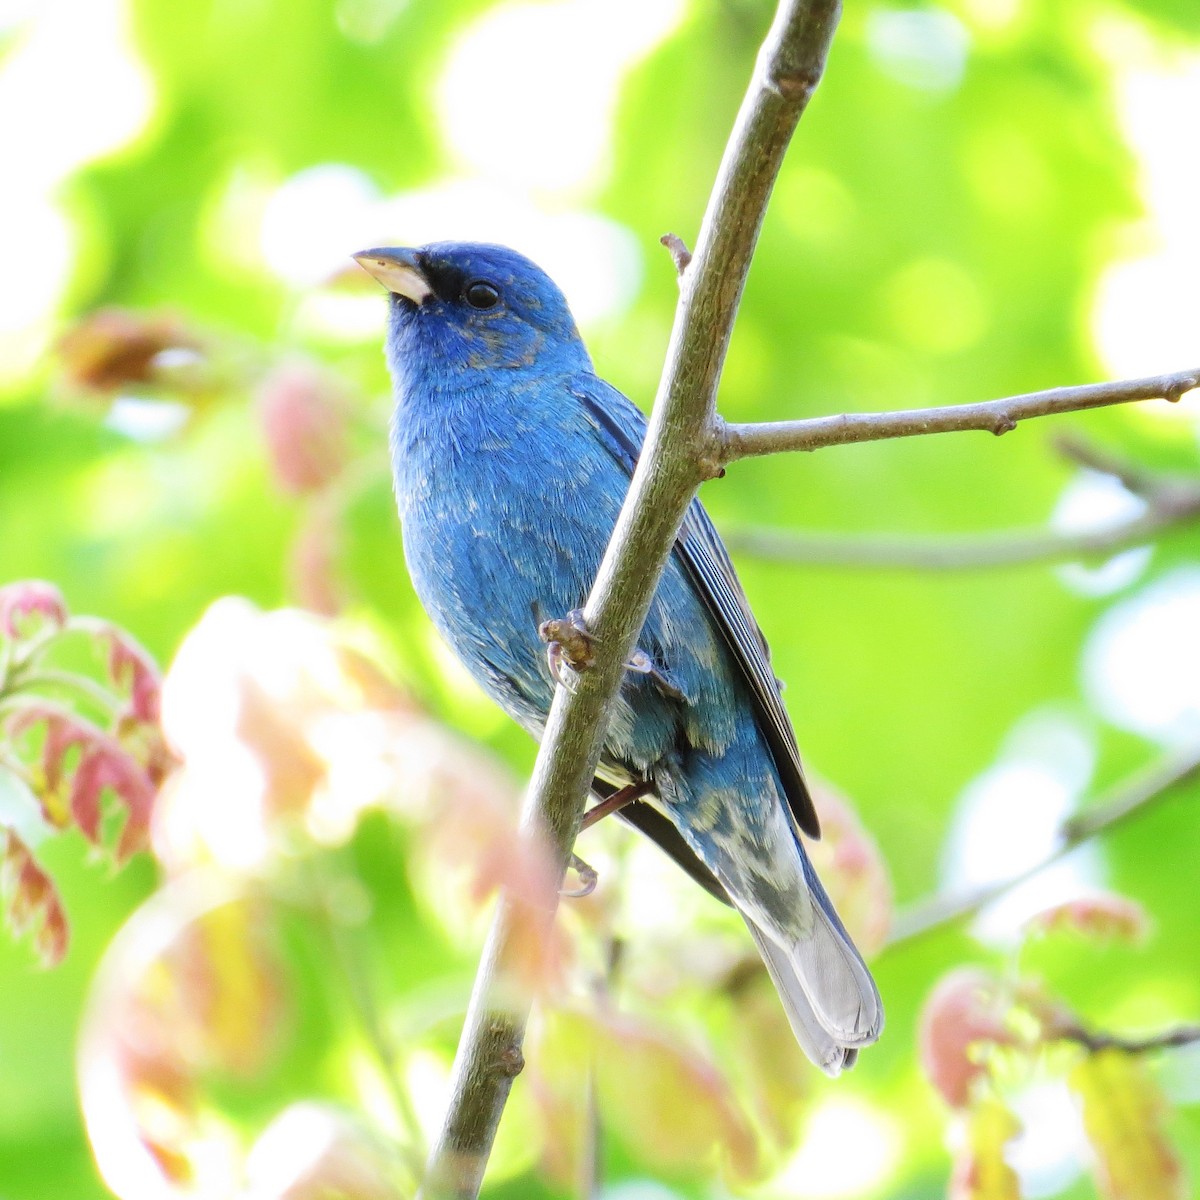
(511, 459)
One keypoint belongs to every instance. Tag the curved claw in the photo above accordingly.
(588, 878)
(641, 663)
(570, 645)
(561, 670)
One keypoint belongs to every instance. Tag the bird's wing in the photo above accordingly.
(699, 549)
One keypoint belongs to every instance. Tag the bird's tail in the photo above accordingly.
(831, 1001)
(833, 1050)
(820, 1046)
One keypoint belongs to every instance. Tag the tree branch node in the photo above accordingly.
(510, 1062)
(712, 452)
(794, 87)
(681, 256)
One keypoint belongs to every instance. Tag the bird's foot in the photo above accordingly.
(569, 644)
(571, 649)
(642, 664)
(617, 801)
(588, 878)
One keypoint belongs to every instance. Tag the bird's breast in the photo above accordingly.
(504, 519)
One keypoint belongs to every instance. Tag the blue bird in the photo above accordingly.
(511, 460)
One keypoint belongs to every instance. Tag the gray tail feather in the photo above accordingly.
(818, 1044)
(835, 1050)
(829, 969)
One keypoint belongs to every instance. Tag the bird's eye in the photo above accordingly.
(481, 295)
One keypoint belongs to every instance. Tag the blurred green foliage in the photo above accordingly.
(938, 234)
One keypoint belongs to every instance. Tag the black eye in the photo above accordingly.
(481, 295)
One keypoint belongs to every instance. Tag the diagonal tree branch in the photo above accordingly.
(678, 446)
(1130, 799)
(991, 416)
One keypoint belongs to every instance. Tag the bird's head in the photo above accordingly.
(464, 307)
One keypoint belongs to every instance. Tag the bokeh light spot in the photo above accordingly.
(1141, 665)
(1049, 1152)
(516, 107)
(936, 306)
(849, 1149)
(1093, 501)
(316, 220)
(1147, 308)
(1009, 819)
(46, 133)
(1008, 174)
(921, 48)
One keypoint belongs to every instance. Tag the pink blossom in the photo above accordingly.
(104, 763)
(303, 422)
(130, 666)
(965, 1011)
(32, 899)
(19, 601)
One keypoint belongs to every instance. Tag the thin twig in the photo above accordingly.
(1133, 798)
(963, 552)
(1181, 1035)
(592, 1157)
(1167, 501)
(680, 254)
(991, 416)
(82, 685)
(356, 979)
(676, 457)
(1132, 476)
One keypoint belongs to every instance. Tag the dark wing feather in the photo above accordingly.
(702, 554)
(707, 562)
(658, 828)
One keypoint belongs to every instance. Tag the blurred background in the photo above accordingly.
(985, 197)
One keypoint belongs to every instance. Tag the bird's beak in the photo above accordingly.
(398, 270)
